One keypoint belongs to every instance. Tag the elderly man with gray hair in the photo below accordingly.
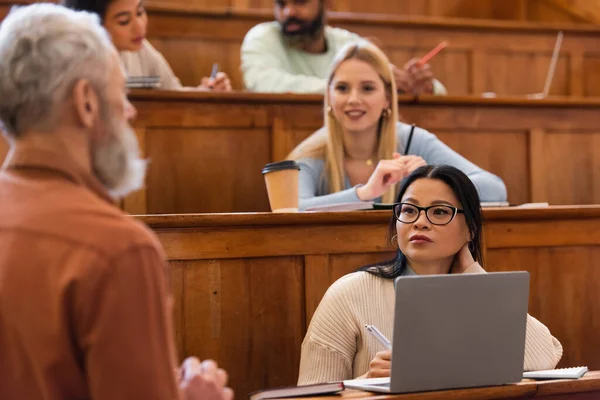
(84, 305)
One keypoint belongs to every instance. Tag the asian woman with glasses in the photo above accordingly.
(437, 228)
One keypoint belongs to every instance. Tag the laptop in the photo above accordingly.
(456, 331)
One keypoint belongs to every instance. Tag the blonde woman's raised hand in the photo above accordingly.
(387, 173)
(410, 162)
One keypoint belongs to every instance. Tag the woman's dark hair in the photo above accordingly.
(94, 6)
(466, 193)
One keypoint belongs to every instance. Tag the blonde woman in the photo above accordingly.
(359, 155)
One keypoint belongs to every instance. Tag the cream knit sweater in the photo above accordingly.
(337, 347)
(149, 62)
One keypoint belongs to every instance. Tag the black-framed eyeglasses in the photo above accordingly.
(438, 215)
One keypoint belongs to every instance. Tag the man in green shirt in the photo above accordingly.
(294, 52)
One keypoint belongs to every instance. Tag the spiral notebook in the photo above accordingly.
(561, 373)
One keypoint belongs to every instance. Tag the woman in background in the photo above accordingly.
(360, 153)
(436, 224)
(126, 22)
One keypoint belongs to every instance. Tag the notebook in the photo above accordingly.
(352, 206)
(143, 82)
(298, 391)
(561, 373)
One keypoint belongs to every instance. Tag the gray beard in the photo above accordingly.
(116, 162)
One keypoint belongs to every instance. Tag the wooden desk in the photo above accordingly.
(586, 388)
(506, 57)
(246, 285)
(207, 150)
(546, 10)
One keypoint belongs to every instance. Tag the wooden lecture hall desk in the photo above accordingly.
(586, 388)
(506, 57)
(207, 150)
(245, 286)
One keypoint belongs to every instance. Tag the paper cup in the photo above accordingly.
(281, 179)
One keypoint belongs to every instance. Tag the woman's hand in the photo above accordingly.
(387, 174)
(220, 83)
(462, 260)
(381, 365)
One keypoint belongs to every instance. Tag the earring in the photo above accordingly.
(394, 239)
(330, 111)
(386, 113)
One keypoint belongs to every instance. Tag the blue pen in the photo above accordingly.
(215, 71)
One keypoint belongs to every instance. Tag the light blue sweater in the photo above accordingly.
(313, 185)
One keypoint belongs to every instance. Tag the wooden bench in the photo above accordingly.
(528, 10)
(533, 10)
(246, 285)
(207, 150)
(586, 388)
(505, 57)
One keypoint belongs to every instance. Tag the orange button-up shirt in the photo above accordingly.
(84, 310)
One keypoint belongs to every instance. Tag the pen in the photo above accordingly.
(215, 71)
(432, 53)
(379, 336)
(410, 135)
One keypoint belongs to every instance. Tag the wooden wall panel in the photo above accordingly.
(492, 9)
(3, 11)
(489, 151)
(248, 314)
(207, 150)
(575, 10)
(246, 285)
(591, 72)
(451, 66)
(185, 161)
(572, 160)
(531, 10)
(497, 9)
(514, 72)
(194, 59)
(324, 270)
(484, 56)
(509, 59)
(399, 7)
(544, 10)
(569, 273)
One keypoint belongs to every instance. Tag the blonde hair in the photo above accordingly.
(328, 142)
